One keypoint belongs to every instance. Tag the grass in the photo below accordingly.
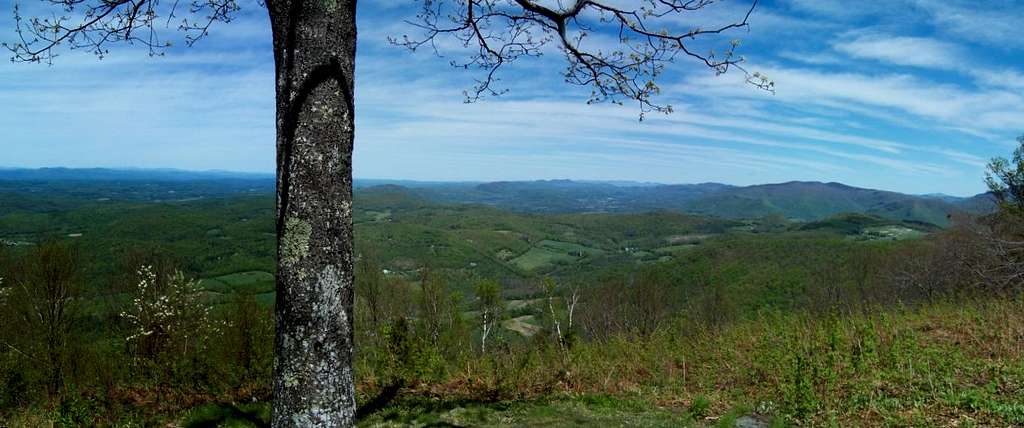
(525, 325)
(523, 304)
(266, 299)
(549, 253)
(228, 416)
(674, 249)
(641, 254)
(890, 232)
(539, 258)
(584, 411)
(214, 286)
(943, 364)
(250, 282)
(561, 411)
(373, 216)
(576, 250)
(245, 278)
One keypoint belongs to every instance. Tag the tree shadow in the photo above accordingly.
(386, 396)
(418, 407)
(216, 415)
(226, 413)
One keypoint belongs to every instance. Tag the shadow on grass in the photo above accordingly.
(386, 396)
(431, 412)
(386, 406)
(220, 414)
(216, 415)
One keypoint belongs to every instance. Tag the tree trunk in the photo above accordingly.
(314, 53)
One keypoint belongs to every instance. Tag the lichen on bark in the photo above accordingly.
(295, 242)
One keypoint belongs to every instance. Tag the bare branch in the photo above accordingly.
(498, 32)
(94, 25)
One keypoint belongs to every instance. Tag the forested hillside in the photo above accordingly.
(799, 201)
(224, 229)
(701, 320)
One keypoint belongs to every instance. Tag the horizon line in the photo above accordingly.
(477, 181)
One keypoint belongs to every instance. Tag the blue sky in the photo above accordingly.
(912, 96)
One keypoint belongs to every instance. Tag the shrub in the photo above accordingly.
(170, 326)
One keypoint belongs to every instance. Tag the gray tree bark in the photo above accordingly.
(314, 53)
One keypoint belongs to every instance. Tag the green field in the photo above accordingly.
(570, 248)
(525, 325)
(549, 254)
(541, 259)
(252, 282)
(890, 232)
(674, 249)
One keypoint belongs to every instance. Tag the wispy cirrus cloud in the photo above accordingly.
(923, 52)
(914, 97)
(945, 104)
(993, 23)
(902, 50)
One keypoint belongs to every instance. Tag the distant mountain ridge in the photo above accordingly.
(795, 200)
(125, 174)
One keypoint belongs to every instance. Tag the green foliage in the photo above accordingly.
(865, 226)
(1005, 179)
(799, 395)
(169, 325)
(248, 332)
(932, 366)
(490, 306)
(699, 408)
(680, 320)
(14, 383)
(115, 231)
(488, 295)
(75, 410)
(41, 306)
(410, 357)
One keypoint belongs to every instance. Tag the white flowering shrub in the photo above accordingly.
(167, 316)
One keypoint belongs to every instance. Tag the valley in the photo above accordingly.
(788, 312)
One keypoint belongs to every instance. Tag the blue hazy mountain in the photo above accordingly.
(795, 200)
(125, 174)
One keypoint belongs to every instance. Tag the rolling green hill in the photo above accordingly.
(684, 320)
(220, 235)
(809, 201)
(796, 200)
(407, 233)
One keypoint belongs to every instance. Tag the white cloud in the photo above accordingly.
(540, 126)
(995, 22)
(203, 110)
(911, 51)
(946, 105)
(919, 52)
(812, 58)
(830, 8)
(961, 157)
(999, 77)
